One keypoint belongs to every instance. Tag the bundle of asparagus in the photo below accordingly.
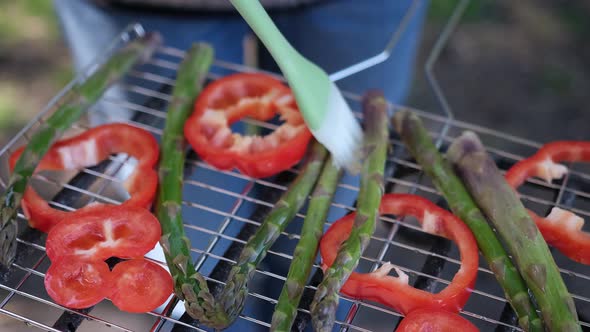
(190, 285)
(82, 97)
(323, 307)
(501, 204)
(420, 145)
(236, 289)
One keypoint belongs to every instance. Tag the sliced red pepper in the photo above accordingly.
(137, 285)
(435, 320)
(562, 229)
(237, 96)
(89, 149)
(395, 292)
(103, 231)
(140, 285)
(77, 283)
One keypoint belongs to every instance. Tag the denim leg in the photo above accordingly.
(89, 28)
(338, 33)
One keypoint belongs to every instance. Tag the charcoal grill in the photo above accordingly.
(223, 208)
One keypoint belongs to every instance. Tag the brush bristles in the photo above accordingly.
(341, 133)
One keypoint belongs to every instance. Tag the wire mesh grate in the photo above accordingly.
(223, 208)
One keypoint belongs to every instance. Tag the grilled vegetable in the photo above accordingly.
(234, 97)
(524, 242)
(78, 283)
(136, 285)
(140, 286)
(435, 320)
(420, 145)
(84, 96)
(561, 229)
(305, 252)
(88, 149)
(98, 232)
(236, 289)
(395, 292)
(323, 307)
(189, 285)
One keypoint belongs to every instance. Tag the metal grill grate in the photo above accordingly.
(222, 209)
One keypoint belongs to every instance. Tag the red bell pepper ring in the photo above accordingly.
(395, 292)
(561, 229)
(237, 96)
(89, 149)
(435, 320)
(102, 231)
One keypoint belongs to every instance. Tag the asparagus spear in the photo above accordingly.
(323, 307)
(189, 285)
(305, 252)
(501, 204)
(83, 96)
(419, 143)
(236, 289)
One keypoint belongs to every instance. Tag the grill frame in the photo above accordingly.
(148, 86)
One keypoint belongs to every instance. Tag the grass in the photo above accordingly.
(575, 19)
(27, 20)
(556, 79)
(8, 106)
(29, 30)
(441, 10)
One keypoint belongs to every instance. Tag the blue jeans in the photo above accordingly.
(334, 34)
